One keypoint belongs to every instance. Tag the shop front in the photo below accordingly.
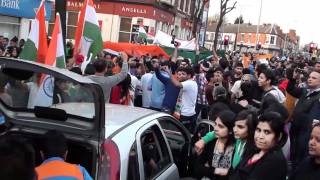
(15, 16)
(120, 22)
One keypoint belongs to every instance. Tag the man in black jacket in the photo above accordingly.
(306, 111)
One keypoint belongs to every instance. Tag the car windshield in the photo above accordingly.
(25, 90)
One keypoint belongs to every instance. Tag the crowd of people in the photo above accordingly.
(10, 48)
(266, 113)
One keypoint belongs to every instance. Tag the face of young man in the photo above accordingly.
(263, 81)
(317, 67)
(182, 76)
(238, 70)
(314, 80)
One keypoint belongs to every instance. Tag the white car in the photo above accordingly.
(111, 141)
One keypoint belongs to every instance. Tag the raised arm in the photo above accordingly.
(117, 78)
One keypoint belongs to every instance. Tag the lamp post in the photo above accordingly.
(257, 34)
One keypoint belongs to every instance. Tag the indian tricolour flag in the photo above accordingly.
(88, 35)
(55, 57)
(142, 33)
(36, 47)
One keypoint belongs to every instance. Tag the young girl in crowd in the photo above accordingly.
(215, 161)
(266, 161)
(245, 123)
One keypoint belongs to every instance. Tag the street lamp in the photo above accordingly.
(257, 34)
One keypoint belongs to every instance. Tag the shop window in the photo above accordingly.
(51, 22)
(72, 20)
(9, 26)
(125, 29)
(124, 37)
(125, 24)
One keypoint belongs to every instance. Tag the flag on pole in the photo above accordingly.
(55, 57)
(142, 33)
(36, 47)
(88, 36)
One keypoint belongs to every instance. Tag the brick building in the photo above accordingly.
(272, 38)
(118, 20)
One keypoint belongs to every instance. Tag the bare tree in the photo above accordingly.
(224, 9)
(215, 18)
(197, 15)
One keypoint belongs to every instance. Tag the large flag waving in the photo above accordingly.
(36, 47)
(55, 57)
(88, 36)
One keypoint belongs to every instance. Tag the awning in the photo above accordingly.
(136, 49)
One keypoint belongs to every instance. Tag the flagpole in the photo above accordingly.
(61, 8)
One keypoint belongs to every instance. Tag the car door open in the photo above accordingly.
(36, 98)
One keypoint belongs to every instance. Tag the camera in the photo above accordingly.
(301, 71)
(175, 43)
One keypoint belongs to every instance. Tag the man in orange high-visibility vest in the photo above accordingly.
(54, 167)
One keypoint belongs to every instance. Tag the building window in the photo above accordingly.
(272, 40)
(182, 2)
(189, 7)
(249, 38)
(72, 20)
(212, 36)
(9, 26)
(186, 5)
(125, 29)
(164, 27)
(208, 36)
(242, 38)
(72, 24)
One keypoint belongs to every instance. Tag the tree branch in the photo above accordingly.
(231, 8)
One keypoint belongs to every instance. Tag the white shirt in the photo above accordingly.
(189, 97)
(134, 83)
(236, 89)
(146, 90)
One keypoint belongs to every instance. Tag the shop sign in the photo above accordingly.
(23, 8)
(163, 16)
(78, 5)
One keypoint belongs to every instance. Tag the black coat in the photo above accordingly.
(305, 111)
(307, 170)
(272, 166)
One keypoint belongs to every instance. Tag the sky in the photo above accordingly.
(301, 15)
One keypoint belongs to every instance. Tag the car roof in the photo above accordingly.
(66, 72)
(119, 116)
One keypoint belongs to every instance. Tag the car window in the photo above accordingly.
(201, 130)
(173, 134)
(27, 89)
(155, 152)
(179, 142)
(133, 165)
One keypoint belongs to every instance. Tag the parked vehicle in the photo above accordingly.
(110, 141)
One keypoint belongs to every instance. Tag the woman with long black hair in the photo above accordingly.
(216, 159)
(266, 161)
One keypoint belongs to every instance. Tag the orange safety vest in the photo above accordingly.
(59, 169)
